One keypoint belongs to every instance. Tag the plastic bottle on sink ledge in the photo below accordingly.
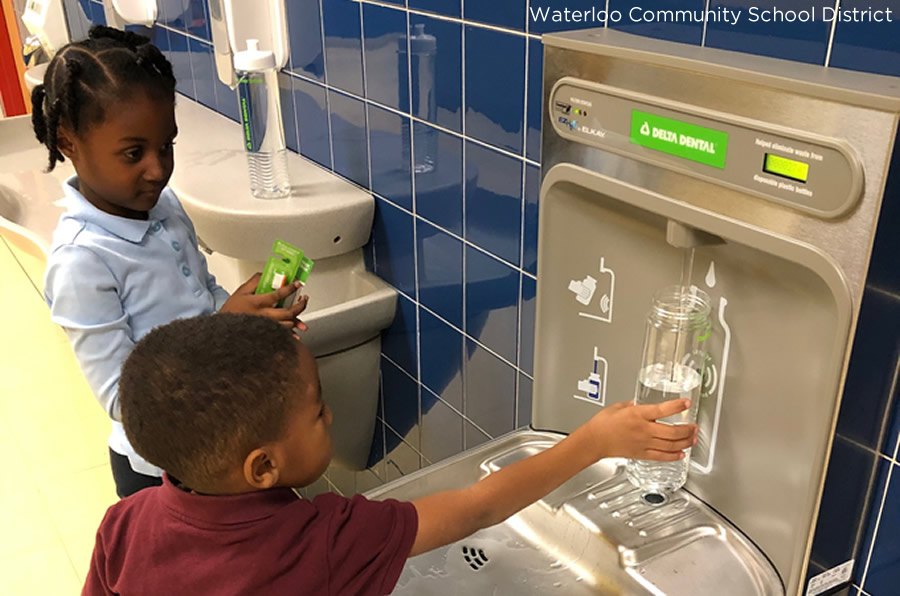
(262, 130)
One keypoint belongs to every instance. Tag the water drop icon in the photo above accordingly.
(711, 275)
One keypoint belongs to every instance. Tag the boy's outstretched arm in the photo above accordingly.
(621, 430)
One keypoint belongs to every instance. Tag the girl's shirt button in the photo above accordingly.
(155, 227)
(186, 270)
(175, 245)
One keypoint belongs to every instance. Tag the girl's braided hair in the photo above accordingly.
(87, 77)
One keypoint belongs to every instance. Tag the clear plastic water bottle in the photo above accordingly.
(259, 104)
(678, 325)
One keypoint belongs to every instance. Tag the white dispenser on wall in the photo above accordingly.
(46, 22)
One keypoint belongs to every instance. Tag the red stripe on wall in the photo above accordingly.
(10, 90)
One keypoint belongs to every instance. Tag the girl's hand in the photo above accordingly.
(245, 301)
(627, 430)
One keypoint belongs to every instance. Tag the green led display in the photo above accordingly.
(786, 168)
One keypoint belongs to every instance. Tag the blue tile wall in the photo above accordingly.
(494, 84)
(440, 266)
(350, 147)
(639, 18)
(436, 108)
(436, 70)
(389, 134)
(313, 129)
(493, 201)
(307, 50)
(804, 41)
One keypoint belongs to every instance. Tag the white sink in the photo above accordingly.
(330, 220)
(28, 194)
(34, 76)
(325, 215)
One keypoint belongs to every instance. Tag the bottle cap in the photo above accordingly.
(253, 59)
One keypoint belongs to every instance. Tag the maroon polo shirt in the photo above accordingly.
(164, 540)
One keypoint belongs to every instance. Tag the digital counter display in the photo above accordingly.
(786, 168)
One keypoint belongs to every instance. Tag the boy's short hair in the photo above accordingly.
(198, 395)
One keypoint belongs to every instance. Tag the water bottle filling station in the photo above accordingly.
(706, 223)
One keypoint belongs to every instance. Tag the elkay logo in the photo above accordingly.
(593, 131)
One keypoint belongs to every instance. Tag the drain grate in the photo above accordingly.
(475, 557)
(654, 498)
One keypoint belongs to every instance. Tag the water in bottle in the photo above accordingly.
(658, 383)
(678, 325)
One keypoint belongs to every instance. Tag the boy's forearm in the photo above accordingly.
(514, 487)
(449, 516)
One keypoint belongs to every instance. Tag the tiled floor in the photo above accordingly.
(56, 484)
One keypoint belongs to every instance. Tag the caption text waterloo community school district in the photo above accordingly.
(753, 14)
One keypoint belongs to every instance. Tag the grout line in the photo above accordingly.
(527, 25)
(403, 439)
(463, 103)
(185, 33)
(466, 336)
(458, 330)
(365, 90)
(525, 106)
(330, 130)
(444, 401)
(883, 291)
(867, 449)
(327, 96)
(410, 125)
(472, 422)
(519, 301)
(461, 21)
(322, 40)
(296, 114)
(837, 5)
(405, 372)
(705, 25)
(380, 419)
(417, 118)
(887, 487)
(891, 405)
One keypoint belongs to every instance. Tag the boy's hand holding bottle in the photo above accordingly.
(245, 301)
(620, 430)
(627, 430)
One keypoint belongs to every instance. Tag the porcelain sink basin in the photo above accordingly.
(325, 215)
(35, 75)
(29, 196)
(593, 535)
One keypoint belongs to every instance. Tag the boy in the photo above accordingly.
(231, 407)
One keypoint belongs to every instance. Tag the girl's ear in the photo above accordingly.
(65, 142)
(260, 470)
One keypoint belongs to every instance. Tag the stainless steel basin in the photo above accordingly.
(596, 534)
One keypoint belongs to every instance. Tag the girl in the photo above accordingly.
(124, 257)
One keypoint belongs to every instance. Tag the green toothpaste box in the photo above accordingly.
(286, 265)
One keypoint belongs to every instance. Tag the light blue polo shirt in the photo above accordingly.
(110, 280)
